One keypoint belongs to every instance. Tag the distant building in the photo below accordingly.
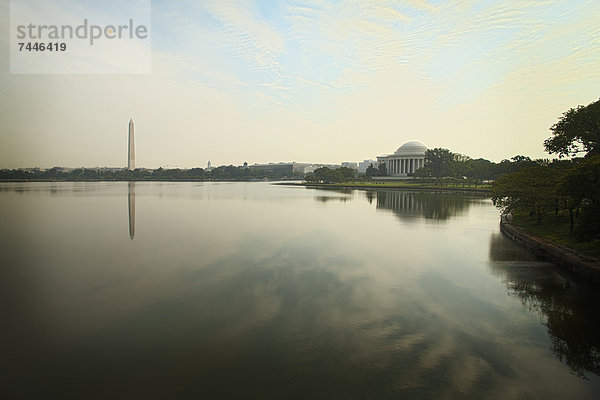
(406, 160)
(363, 165)
(291, 168)
(209, 166)
(280, 168)
(350, 164)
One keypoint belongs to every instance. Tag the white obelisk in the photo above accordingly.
(131, 148)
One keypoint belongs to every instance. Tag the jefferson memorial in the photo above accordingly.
(406, 160)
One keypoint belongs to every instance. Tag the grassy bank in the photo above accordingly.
(556, 228)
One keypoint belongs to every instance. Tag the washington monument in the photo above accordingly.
(131, 148)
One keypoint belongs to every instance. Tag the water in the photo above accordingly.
(251, 290)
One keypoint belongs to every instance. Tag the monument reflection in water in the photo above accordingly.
(131, 208)
(438, 206)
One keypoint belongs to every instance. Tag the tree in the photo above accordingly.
(581, 186)
(480, 169)
(326, 175)
(382, 169)
(439, 161)
(371, 171)
(347, 173)
(530, 190)
(577, 131)
(522, 161)
(424, 172)
(583, 181)
(461, 165)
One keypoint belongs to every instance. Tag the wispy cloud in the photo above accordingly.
(240, 31)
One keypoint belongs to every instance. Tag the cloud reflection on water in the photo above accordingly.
(250, 290)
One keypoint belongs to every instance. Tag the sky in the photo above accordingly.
(311, 81)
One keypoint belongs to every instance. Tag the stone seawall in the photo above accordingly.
(585, 267)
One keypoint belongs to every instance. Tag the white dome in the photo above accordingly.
(411, 147)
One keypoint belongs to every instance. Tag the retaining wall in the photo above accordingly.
(586, 267)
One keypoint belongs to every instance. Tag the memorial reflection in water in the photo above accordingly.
(431, 205)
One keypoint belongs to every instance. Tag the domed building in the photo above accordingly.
(406, 160)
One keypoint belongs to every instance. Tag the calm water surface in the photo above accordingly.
(251, 290)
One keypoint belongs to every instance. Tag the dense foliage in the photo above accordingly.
(577, 131)
(228, 172)
(438, 163)
(327, 175)
(532, 190)
(571, 187)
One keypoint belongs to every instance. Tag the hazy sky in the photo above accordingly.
(315, 81)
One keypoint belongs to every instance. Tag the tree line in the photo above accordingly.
(229, 172)
(441, 165)
(569, 186)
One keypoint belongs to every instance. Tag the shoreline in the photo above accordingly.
(132, 180)
(416, 187)
(583, 266)
(282, 182)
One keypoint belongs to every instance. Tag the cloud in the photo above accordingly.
(229, 77)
